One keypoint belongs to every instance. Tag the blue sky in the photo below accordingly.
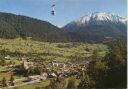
(66, 10)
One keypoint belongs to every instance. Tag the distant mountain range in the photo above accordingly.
(97, 27)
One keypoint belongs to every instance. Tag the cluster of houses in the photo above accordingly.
(54, 68)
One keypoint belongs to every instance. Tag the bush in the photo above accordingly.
(85, 82)
(58, 83)
(72, 84)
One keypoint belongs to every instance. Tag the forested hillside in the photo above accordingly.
(12, 26)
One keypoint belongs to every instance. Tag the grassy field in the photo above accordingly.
(49, 51)
(33, 86)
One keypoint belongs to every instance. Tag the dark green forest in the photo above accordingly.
(12, 26)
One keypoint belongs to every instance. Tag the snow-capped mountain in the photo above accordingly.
(99, 18)
(98, 25)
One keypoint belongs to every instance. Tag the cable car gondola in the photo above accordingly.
(53, 10)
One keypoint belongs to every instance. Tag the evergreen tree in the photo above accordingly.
(12, 80)
(4, 84)
(59, 83)
(97, 70)
(84, 81)
(72, 84)
(117, 63)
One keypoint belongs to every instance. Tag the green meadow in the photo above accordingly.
(17, 48)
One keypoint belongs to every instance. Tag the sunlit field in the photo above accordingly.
(17, 48)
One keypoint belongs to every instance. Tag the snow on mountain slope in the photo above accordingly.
(99, 18)
(97, 26)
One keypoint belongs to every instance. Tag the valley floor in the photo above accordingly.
(30, 54)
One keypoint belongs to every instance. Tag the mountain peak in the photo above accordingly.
(98, 26)
(99, 17)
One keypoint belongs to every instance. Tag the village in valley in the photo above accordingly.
(38, 71)
(27, 63)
